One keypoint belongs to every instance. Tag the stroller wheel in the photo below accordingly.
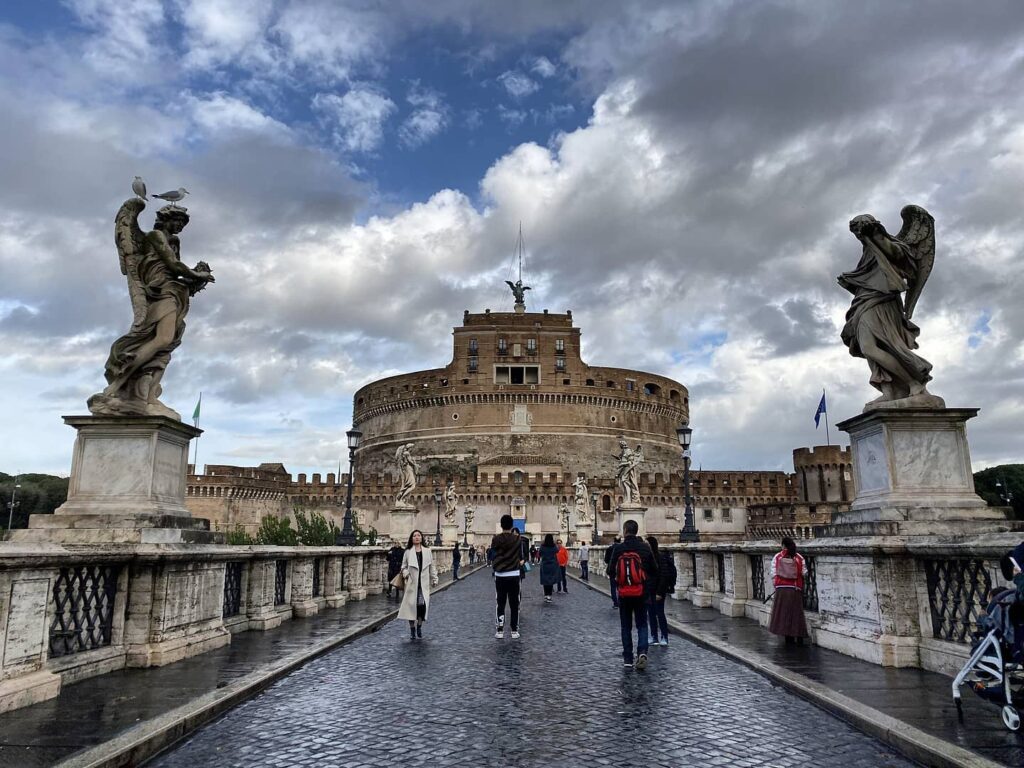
(1011, 718)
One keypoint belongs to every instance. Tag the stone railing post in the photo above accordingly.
(354, 576)
(707, 581)
(684, 574)
(375, 573)
(737, 584)
(303, 603)
(259, 600)
(25, 615)
(333, 593)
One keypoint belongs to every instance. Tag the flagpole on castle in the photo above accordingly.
(195, 423)
(828, 440)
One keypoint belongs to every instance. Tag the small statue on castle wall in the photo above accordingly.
(580, 499)
(563, 512)
(451, 500)
(469, 513)
(407, 467)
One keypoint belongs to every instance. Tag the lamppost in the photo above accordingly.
(437, 502)
(593, 503)
(689, 532)
(1005, 494)
(347, 537)
(13, 504)
(465, 526)
(564, 511)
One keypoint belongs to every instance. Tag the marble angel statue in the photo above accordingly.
(407, 468)
(160, 286)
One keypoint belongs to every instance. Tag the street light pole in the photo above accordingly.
(593, 502)
(689, 531)
(347, 537)
(1004, 492)
(13, 503)
(437, 503)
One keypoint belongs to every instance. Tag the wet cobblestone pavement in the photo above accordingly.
(559, 696)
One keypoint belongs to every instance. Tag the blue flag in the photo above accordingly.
(821, 410)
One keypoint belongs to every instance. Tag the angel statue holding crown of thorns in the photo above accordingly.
(160, 287)
(878, 326)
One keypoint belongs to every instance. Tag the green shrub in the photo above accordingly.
(277, 531)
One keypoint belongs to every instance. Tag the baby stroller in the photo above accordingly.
(994, 670)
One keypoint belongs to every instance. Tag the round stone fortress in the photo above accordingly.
(513, 420)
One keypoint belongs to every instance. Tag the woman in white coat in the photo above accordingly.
(420, 575)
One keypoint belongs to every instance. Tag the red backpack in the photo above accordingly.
(630, 575)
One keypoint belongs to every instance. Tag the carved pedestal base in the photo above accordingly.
(584, 533)
(913, 476)
(127, 485)
(632, 512)
(403, 521)
(450, 533)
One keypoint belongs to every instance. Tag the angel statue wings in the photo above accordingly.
(451, 502)
(878, 323)
(518, 290)
(160, 287)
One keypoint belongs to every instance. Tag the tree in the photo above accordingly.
(1012, 476)
(277, 531)
(315, 530)
(38, 495)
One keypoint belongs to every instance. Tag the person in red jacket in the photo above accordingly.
(788, 603)
(563, 562)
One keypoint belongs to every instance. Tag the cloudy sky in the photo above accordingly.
(684, 173)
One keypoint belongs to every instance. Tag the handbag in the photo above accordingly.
(527, 567)
(398, 582)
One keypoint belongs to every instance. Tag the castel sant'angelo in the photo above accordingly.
(517, 422)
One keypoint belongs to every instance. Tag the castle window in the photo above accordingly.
(473, 363)
(559, 363)
(651, 389)
(560, 346)
(531, 346)
(473, 347)
(502, 347)
(630, 385)
(727, 515)
(610, 385)
(709, 515)
(517, 477)
(590, 382)
(606, 503)
(516, 374)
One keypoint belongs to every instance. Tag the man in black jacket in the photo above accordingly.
(608, 571)
(507, 562)
(634, 609)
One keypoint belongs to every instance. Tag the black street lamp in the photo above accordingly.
(437, 502)
(13, 504)
(689, 532)
(593, 503)
(1005, 494)
(347, 537)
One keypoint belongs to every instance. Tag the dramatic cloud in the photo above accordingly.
(694, 223)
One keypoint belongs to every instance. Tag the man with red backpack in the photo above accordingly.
(634, 571)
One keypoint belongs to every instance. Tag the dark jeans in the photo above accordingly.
(585, 570)
(506, 588)
(633, 610)
(615, 591)
(548, 589)
(563, 585)
(656, 616)
(455, 568)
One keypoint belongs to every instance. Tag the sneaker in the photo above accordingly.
(641, 661)
(547, 599)
(663, 642)
(500, 634)
(627, 664)
(515, 634)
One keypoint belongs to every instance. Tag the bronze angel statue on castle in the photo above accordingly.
(160, 287)
(878, 323)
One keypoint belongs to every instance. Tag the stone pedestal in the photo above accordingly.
(912, 474)
(632, 512)
(403, 521)
(450, 533)
(584, 533)
(127, 485)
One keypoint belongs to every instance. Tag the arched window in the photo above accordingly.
(606, 502)
(517, 477)
(651, 389)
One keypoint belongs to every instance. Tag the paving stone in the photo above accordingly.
(559, 696)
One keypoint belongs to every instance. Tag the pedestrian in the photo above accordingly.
(787, 603)
(635, 570)
(420, 575)
(665, 585)
(550, 573)
(456, 561)
(608, 572)
(563, 563)
(507, 561)
(584, 561)
(472, 556)
(394, 564)
(533, 553)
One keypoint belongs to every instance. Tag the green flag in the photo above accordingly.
(195, 413)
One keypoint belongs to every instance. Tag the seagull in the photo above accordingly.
(139, 187)
(174, 195)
